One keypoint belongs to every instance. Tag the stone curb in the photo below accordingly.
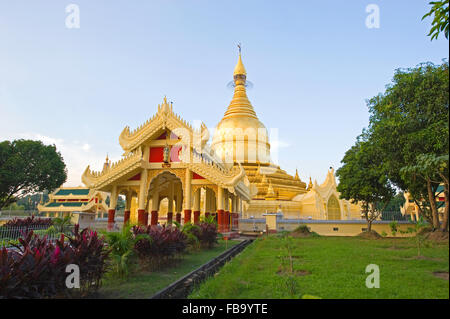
(181, 288)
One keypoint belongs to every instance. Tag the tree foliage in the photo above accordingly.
(409, 125)
(28, 166)
(439, 11)
(431, 170)
(405, 145)
(363, 179)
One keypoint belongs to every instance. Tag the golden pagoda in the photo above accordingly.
(240, 137)
(169, 168)
(162, 161)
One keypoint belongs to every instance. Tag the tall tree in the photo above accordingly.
(439, 11)
(431, 169)
(410, 119)
(363, 179)
(28, 166)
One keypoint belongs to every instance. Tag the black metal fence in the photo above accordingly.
(10, 234)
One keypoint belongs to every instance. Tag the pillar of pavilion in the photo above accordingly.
(112, 208)
(179, 205)
(220, 208)
(155, 203)
(142, 214)
(226, 215)
(197, 206)
(170, 205)
(127, 212)
(207, 203)
(187, 197)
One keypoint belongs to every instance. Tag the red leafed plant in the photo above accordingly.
(89, 253)
(29, 222)
(165, 243)
(37, 268)
(207, 234)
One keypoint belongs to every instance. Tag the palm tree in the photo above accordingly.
(122, 248)
(62, 223)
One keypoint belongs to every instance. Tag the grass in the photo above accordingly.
(331, 268)
(143, 284)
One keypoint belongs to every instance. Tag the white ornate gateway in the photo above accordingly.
(322, 202)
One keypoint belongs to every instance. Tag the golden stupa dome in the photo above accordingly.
(240, 136)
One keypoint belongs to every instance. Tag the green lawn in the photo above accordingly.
(143, 284)
(335, 269)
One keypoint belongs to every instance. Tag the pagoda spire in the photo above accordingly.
(297, 178)
(239, 69)
(310, 185)
(107, 163)
(240, 104)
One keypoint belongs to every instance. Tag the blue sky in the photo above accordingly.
(313, 65)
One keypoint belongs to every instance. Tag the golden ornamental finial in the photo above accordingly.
(240, 69)
(296, 175)
(107, 163)
(310, 185)
(239, 46)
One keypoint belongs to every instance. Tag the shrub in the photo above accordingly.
(207, 234)
(165, 244)
(394, 227)
(37, 269)
(203, 234)
(122, 249)
(303, 231)
(192, 233)
(62, 223)
(420, 237)
(29, 222)
(89, 253)
(28, 272)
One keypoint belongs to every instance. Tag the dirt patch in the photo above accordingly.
(302, 231)
(438, 236)
(425, 230)
(297, 273)
(300, 235)
(441, 274)
(370, 235)
(421, 258)
(395, 248)
(287, 257)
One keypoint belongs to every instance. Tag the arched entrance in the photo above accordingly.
(333, 208)
(207, 201)
(165, 198)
